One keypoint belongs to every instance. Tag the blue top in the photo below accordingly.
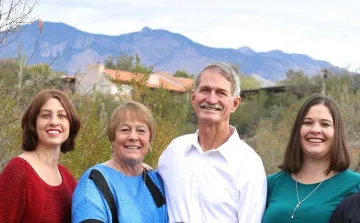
(318, 207)
(132, 197)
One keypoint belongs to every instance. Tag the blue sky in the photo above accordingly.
(323, 29)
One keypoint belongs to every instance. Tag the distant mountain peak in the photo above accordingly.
(276, 52)
(246, 50)
(146, 29)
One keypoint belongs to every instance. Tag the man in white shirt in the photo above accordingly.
(212, 175)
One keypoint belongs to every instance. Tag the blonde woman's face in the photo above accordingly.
(131, 142)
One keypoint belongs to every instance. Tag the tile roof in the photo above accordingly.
(156, 80)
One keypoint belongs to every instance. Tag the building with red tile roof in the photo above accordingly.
(97, 77)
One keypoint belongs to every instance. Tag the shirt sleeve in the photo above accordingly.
(252, 193)
(13, 190)
(88, 203)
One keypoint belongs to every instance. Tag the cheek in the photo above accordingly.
(303, 132)
(145, 140)
(331, 133)
(199, 97)
(330, 136)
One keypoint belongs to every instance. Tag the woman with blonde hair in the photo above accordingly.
(120, 189)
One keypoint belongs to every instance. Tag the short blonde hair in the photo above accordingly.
(130, 111)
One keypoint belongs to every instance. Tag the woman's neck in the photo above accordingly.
(46, 157)
(126, 169)
(313, 171)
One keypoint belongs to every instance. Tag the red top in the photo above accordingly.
(25, 197)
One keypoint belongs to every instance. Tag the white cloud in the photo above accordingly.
(327, 30)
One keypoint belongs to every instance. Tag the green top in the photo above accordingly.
(318, 207)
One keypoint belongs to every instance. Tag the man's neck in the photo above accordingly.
(213, 136)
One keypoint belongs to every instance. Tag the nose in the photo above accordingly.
(133, 135)
(315, 129)
(54, 121)
(212, 98)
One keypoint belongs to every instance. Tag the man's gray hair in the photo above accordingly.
(226, 71)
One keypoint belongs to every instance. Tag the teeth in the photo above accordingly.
(133, 147)
(315, 140)
(215, 107)
(207, 106)
(53, 132)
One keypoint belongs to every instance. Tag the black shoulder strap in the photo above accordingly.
(103, 186)
(155, 192)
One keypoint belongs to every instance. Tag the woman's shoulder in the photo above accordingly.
(18, 162)
(66, 174)
(17, 173)
(349, 175)
(155, 176)
(63, 170)
(86, 183)
(280, 176)
(17, 166)
(104, 170)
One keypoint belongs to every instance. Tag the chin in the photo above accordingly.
(209, 119)
(317, 155)
(133, 161)
(52, 143)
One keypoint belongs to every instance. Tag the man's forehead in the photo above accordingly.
(225, 85)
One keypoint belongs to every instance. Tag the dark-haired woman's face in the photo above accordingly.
(52, 124)
(317, 132)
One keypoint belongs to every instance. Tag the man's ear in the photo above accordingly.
(192, 97)
(236, 103)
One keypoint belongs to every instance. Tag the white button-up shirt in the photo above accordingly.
(227, 184)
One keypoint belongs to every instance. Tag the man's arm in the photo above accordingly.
(253, 192)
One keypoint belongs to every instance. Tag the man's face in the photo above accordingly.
(213, 101)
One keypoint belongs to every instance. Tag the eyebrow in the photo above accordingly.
(48, 110)
(137, 126)
(209, 87)
(323, 120)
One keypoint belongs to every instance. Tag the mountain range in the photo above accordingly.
(69, 49)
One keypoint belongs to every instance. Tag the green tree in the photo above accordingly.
(124, 62)
(183, 73)
(302, 85)
(109, 63)
(248, 82)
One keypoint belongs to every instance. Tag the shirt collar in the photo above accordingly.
(225, 149)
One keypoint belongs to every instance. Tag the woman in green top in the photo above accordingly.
(315, 176)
